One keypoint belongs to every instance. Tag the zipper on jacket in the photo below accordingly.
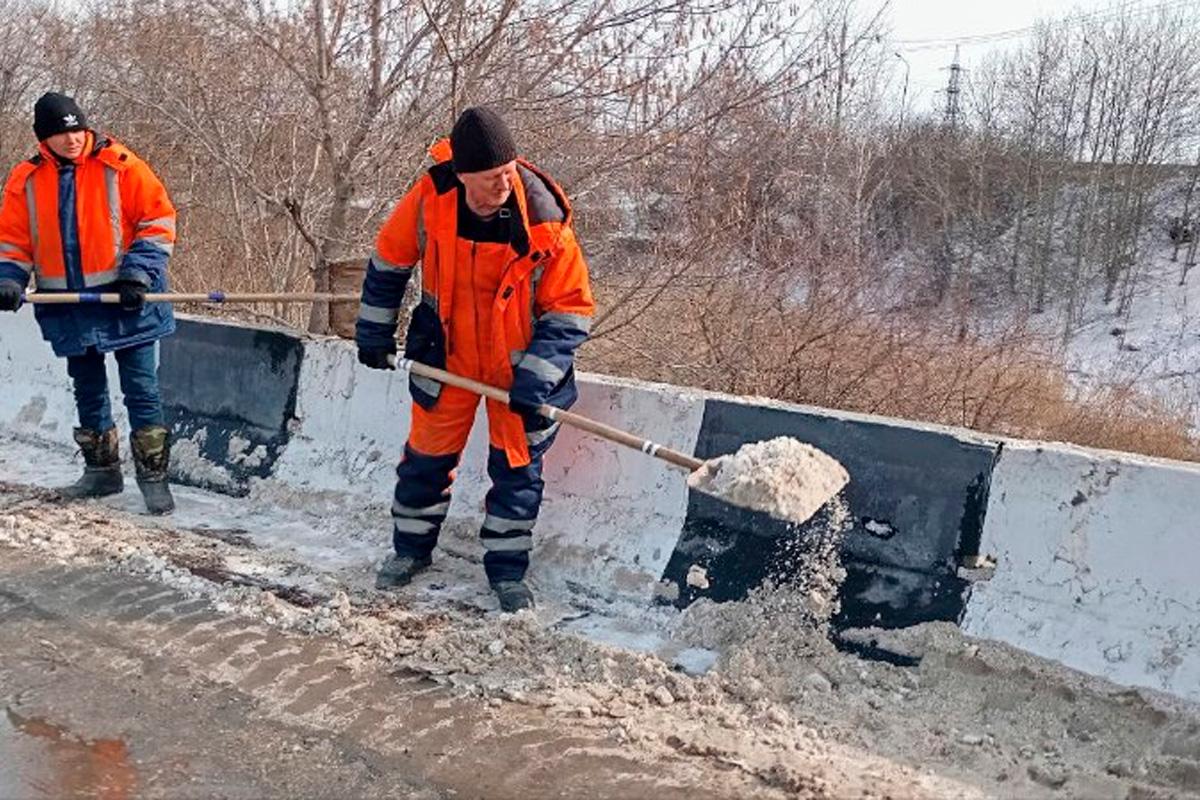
(443, 303)
(68, 236)
(475, 313)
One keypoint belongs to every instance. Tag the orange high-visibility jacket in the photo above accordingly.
(523, 336)
(121, 205)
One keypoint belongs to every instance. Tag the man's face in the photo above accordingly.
(487, 191)
(67, 145)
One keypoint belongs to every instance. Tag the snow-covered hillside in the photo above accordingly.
(1156, 345)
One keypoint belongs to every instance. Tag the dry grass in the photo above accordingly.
(1115, 418)
(1007, 382)
(834, 356)
(690, 326)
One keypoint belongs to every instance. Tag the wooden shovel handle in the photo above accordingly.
(593, 427)
(109, 298)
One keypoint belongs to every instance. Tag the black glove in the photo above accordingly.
(10, 295)
(527, 407)
(133, 295)
(376, 359)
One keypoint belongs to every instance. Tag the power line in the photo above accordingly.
(1098, 14)
(1102, 15)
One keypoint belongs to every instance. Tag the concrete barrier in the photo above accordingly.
(246, 403)
(1095, 552)
(229, 396)
(36, 399)
(916, 499)
(1097, 564)
(615, 521)
(611, 516)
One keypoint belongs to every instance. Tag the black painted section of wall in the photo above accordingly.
(229, 383)
(916, 499)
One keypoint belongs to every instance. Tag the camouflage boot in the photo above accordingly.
(151, 454)
(102, 465)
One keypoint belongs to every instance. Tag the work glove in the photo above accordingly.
(10, 295)
(525, 405)
(133, 295)
(376, 358)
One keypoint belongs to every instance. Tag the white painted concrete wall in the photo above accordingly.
(351, 424)
(1098, 553)
(611, 516)
(36, 399)
(1098, 564)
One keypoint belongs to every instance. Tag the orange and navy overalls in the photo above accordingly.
(506, 303)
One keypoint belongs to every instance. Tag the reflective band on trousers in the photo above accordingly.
(437, 510)
(509, 545)
(416, 526)
(501, 525)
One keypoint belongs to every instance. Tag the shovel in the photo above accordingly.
(822, 475)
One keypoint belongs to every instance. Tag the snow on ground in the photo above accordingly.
(1156, 344)
(972, 719)
(1153, 346)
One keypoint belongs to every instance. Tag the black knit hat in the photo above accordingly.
(481, 141)
(56, 113)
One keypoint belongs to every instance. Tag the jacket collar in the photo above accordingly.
(530, 238)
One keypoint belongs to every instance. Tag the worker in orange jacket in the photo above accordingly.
(505, 300)
(85, 214)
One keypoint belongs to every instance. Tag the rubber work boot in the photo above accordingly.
(151, 455)
(399, 571)
(514, 596)
(102, 465)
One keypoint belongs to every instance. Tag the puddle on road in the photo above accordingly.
(40, 760)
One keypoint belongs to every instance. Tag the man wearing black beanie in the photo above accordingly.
(505, 300)
(56, 113)
(85, 214)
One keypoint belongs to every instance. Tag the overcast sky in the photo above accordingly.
(923, 30)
